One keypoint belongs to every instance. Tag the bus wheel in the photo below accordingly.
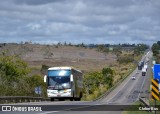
(52, 99)
(71, 99)
(62, 99)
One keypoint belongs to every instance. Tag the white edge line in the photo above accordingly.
(48, 112)
(141, 87)
(119, 89)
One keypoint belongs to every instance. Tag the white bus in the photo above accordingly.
(64, 83)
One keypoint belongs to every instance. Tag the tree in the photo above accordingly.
(36, 81)
(92, 81)
(117, 51)
(140, 48)
(108, 76)
(12, 68)
(158, 42)
(155, 49)
(12, 71)
(15, 79)
(100, 48)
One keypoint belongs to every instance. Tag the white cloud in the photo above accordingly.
(77, 21)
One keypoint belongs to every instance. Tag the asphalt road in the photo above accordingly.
(126, 93)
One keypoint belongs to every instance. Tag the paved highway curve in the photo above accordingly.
(127, 92)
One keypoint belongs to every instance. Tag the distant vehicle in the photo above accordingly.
(146, 67)
(144, 70)
(133, 77)
(64, 83)
(147, 60)
(140, 65)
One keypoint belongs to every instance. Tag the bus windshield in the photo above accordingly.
(59, 82)
(59, 72)
(59, 79)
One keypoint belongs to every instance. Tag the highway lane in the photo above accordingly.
(126, 93)
(130, 90)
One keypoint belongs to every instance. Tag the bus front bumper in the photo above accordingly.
(59, 93)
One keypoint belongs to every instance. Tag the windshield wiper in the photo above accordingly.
(62, 86)
(53, 86)
(59, 85)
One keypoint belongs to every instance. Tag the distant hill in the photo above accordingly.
(83, 58)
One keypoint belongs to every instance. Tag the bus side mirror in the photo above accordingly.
(45, 78)
(71, 78)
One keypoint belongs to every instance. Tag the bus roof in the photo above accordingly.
(63, 67)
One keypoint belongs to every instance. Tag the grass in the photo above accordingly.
(98, 93)
(119, 76)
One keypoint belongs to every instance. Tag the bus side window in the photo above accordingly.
(71, 78)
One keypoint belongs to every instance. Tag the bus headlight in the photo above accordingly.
(67, 91)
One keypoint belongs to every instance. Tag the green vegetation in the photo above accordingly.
(117, 51)
(102, 48)
(125, 59)
(15, 79)
(96, 83)
(140, 48)
(130, 51)
(156, 51)
(107, 76)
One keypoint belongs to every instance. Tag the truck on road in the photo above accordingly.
(140, 65)
(144, 70)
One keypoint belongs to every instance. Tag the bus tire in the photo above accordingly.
(71, 99)
(61, 99)
(52, 99)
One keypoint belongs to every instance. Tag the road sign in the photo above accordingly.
(38, 90)
(153, 62)
(155, 89)
(157, 71)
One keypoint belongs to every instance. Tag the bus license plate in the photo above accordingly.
(58, 95)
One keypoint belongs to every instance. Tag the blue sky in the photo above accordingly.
(77, 21)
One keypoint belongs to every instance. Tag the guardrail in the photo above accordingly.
(20, 99)
(144, 102)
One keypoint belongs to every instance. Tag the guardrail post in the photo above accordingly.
(20, 100)
(5, 101)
